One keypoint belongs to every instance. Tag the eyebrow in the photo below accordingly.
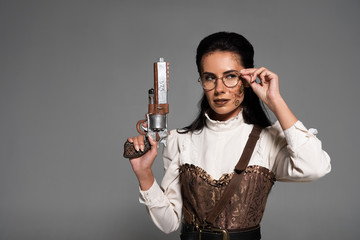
(230, 71)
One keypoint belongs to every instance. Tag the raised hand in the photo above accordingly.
(268, 88)
(268, 91)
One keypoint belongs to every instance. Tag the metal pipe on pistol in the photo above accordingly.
(158, 109)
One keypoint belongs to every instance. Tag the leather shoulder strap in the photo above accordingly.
(236, 179)
(248, 150)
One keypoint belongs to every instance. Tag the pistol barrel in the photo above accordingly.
(158, 102)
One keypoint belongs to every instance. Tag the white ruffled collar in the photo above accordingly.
(229, 124)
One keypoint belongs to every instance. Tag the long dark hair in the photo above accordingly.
(253, 110)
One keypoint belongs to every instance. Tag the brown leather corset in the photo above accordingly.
(200, 193)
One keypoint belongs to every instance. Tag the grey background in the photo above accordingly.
(74, 78)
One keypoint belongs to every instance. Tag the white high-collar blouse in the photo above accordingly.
(293, 155)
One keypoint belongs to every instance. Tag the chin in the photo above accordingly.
(225, 114)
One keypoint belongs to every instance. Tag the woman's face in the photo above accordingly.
(224, 101)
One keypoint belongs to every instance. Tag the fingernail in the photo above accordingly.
(137, 148)
(142, 148)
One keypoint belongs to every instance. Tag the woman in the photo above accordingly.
(199, 160)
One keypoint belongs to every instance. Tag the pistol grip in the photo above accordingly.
(130, 152)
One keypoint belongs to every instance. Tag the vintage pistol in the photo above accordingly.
(158, 108)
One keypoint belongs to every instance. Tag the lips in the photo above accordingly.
(221, 101)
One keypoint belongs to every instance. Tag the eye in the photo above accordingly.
(208, 78)
(231, 76)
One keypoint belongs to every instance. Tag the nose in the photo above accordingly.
(219, 86)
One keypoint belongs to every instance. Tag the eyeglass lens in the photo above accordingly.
(208, 81)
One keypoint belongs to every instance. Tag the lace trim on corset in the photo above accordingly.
(261, 170)
(226, 177)
(223, 180)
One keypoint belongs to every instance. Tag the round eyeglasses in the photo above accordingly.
(230, 80)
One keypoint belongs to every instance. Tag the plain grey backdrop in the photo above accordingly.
(74, 77)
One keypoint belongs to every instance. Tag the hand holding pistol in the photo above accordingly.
(158, 108)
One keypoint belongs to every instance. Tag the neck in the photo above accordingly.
(223, 117)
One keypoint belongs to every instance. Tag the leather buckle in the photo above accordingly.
(212, 229)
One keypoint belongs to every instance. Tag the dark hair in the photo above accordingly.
(252, 108)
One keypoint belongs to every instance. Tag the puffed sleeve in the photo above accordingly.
(164, 202)
(296, 154)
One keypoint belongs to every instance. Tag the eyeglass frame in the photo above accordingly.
(222, 79)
